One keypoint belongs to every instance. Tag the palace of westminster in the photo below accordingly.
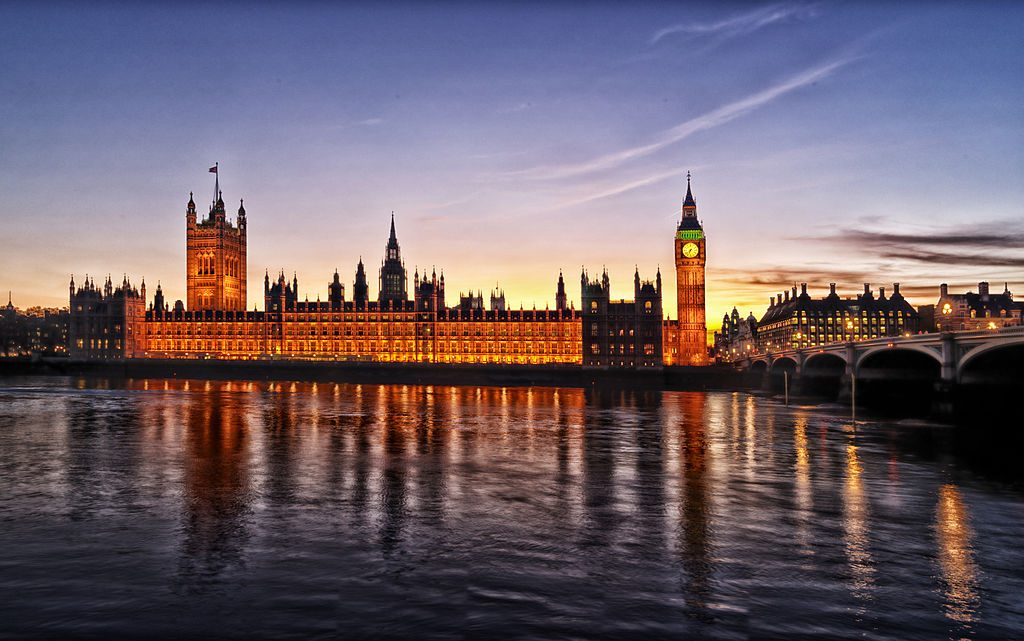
(111, 322)
(118, 321)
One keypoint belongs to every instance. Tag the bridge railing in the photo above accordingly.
(929, 337)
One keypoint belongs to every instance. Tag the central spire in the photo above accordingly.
(393, 238)
(689, 200)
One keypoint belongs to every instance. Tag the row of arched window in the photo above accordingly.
(207, 265)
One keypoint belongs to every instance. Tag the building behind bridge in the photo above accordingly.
(981, 310)
(796, 320)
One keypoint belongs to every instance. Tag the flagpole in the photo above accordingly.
(216, 183)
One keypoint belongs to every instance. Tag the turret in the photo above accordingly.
(190, 212)
(336, 294)
(241, 216)
(360, 290)
(158, 299)
(560, 297)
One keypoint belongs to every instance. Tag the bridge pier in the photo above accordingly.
(846, 380)
(944, 404)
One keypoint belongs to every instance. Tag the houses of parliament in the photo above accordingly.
(115, 321)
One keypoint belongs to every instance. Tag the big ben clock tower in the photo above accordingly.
(690, 258)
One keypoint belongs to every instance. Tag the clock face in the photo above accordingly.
(690, 250)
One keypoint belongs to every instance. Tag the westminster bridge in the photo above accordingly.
(943, 373)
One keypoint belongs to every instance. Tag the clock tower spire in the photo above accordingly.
(690, 244)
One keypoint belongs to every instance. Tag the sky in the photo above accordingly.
(828, 142)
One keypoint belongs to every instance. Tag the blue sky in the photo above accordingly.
(828, 142)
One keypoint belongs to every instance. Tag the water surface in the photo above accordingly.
(182, 509)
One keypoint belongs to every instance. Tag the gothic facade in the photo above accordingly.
(621, 333)
(114, 323)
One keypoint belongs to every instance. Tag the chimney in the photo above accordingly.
(881, 292)
(867, 289)
(895, 289)
(794, 291)
(773, 302)
(787, 297)
(803, 289)
(832, 288)
(943, 290)
(983, 289)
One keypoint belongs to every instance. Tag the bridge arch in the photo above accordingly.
(874, 352)
(986, 351)
(784, 363)
(824, 360)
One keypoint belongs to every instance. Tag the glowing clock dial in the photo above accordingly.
(690, 250)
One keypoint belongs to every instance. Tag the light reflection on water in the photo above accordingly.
(164, 508)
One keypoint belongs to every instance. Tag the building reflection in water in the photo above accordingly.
(956, 559)
(856, 517)
(695, 507)
(216, 486)
(802, 480)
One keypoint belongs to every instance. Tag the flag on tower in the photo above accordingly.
(213, 169)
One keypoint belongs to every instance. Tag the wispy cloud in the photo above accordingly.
(981, 244)
(620, 189)
(522, 106)
(714, 118)
(367, 122)
(741, 24)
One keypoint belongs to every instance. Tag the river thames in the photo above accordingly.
(154, 509)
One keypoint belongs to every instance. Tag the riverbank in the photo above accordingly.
(669, 378)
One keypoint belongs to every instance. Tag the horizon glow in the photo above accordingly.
(849, 144)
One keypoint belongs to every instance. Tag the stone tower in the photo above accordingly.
(393, 279)
(215, 258)
(690, 258)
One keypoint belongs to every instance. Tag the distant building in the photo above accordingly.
(797, 320)
(34, 331)
(737, 336)
(981, 310)
(471, 302)
(623, 333)
(927, 322)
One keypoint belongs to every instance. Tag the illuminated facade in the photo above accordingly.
(796, 320)
(391, 328)
(984, 310)
(215, 266)
(690, 245)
